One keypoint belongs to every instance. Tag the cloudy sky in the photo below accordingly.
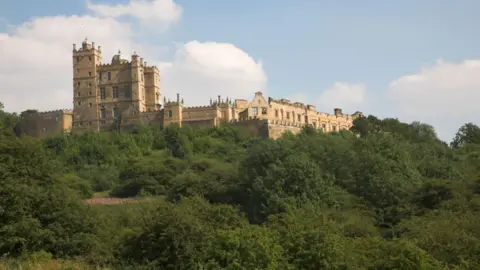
(415, 60)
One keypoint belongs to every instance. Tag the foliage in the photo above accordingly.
(384, 195)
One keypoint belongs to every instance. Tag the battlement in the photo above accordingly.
(201, 107)
(86, 47)
(59, 111)
(333, 116)
(288, 103)
(150, 67)
(112, 66)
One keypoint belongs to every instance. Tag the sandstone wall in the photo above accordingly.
(275, 131)
(255, 127)
(208, 123)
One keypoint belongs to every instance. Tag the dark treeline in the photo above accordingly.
(387, 195)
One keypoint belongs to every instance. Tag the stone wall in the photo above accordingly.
(209, 123)
(276, 129)
(255, 127)
(46, 124)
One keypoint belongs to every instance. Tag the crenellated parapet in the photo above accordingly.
(287, 102)
(59, 111)
(113, 66)
(205, 107)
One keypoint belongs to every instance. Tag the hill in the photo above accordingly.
(385, 195)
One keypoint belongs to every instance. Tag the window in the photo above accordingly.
(128, 92)
(90, 93)
(78, 59)
(276, 113)
(90, 104)
(56, 118)
(99, 76)
(299, 118)
(89, 74)
(78, 83)
(259, 101)
(170, 113)
(115, 92)
(79, 103)
(78, 94)
(78, 71)
(89, 58)
(116, 113)
(102, 93)
(264, 111)
(254, 111)
(103, 113)
(89, 84)
(288, 115)
(109, 76)
(324, 127)
(334, 128)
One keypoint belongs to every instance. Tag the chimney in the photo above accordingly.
(141, 61)
(178, 98)
(74, 47)
(145, 63)
(219, 99)
(99, 48)
(211, 102)
(93, 45)
(337, 111)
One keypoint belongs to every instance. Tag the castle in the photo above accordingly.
(126, 93)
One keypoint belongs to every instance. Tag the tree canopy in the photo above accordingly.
(384, 195)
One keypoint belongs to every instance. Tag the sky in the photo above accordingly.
(411, 60)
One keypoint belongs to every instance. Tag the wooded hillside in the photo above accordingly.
(393, 197)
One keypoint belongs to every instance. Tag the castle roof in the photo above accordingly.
(119, 58)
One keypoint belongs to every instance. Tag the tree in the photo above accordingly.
(466, 134)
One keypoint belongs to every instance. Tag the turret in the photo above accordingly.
(173, 112)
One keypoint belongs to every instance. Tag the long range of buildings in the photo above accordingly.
(126, 93)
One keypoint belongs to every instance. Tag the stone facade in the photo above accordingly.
(105, 95)
(46, 124)
(126, 93)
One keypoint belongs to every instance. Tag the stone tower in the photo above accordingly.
(173, 112)
(85, 94)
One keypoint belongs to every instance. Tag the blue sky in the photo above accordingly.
(307, 46)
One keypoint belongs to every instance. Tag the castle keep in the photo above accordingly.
(126, 93)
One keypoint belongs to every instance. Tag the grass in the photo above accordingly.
(45, 265)
(103, 194)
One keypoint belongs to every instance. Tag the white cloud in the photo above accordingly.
(347, 96)
(163, 12)
(36, 67)
(203, 70)
(445, 95)
(36, 72)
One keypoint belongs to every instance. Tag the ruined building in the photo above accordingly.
(126, 93)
